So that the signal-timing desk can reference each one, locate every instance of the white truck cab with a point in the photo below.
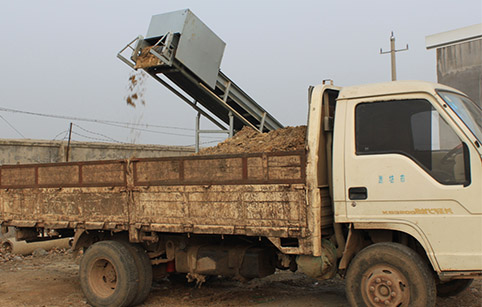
(407, 162)
(411, 161)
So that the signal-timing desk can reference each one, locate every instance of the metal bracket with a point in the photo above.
(230, 131)
(135, 51)
(261, 125)
(198, 132)
(166, 53)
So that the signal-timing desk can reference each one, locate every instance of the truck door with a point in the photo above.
(409, 168)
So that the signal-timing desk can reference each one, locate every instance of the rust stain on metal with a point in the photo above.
(55, 175)
(227, 169)
(58, 175)
(104, 173)
(219, 206)
(18, 176)
(280, 167)
(157, 171)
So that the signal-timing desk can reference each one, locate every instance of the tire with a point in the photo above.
(389, 272)
(453, 287)
(108, 274)
(144, 269)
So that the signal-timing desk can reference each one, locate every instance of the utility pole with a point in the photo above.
(68, 144)
(392, 53)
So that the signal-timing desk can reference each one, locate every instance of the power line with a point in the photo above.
(100, 121)
(92, 138)
(63, 132)
(208, 142)
(109, 123)
(96, 133)
(147, 130)
(11, 126)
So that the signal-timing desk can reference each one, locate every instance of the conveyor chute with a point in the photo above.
(188, 53)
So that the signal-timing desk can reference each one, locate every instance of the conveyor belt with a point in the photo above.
(190, 57)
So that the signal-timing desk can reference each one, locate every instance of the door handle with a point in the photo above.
(357, 193)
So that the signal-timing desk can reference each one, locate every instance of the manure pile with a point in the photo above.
(248, 140)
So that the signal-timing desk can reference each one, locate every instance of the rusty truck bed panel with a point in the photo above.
(60, 175)
(284, 167)
(64, 208)
(227, 209)
(253, 194)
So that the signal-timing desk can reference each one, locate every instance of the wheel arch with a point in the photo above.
(84, 238)
(358, 230)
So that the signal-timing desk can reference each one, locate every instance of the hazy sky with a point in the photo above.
(59, 57)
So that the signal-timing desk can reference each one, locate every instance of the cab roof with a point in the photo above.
(392, 88)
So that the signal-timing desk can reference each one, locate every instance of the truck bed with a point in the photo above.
(247, 194)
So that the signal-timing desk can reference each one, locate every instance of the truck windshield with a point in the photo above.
(467, 111)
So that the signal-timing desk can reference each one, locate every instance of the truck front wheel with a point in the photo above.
(389, 274)
(108, 274)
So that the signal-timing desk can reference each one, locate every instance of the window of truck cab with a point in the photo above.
(467, 110)
(413, 128)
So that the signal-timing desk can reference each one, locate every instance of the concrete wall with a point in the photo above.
(460, 66)
(38, 151)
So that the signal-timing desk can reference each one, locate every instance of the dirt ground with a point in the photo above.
(51, 279)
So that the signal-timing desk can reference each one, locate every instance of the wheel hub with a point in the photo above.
(385, 286)
(103, 277)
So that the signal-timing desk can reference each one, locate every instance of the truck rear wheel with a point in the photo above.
(389, 274)
(144, 269)
(108, 274)
(453, 287)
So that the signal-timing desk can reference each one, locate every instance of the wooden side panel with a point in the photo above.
(285, 167)
(58, 175)
(158, 171)
(252, 194)
(229, 169)
(288, 167)
(87, 206)
(21, 176)
(225, 209)
(103, 173)
(256, 168)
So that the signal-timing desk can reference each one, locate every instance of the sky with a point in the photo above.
(59, 58)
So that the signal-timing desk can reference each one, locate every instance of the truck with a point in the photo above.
(387, 194)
